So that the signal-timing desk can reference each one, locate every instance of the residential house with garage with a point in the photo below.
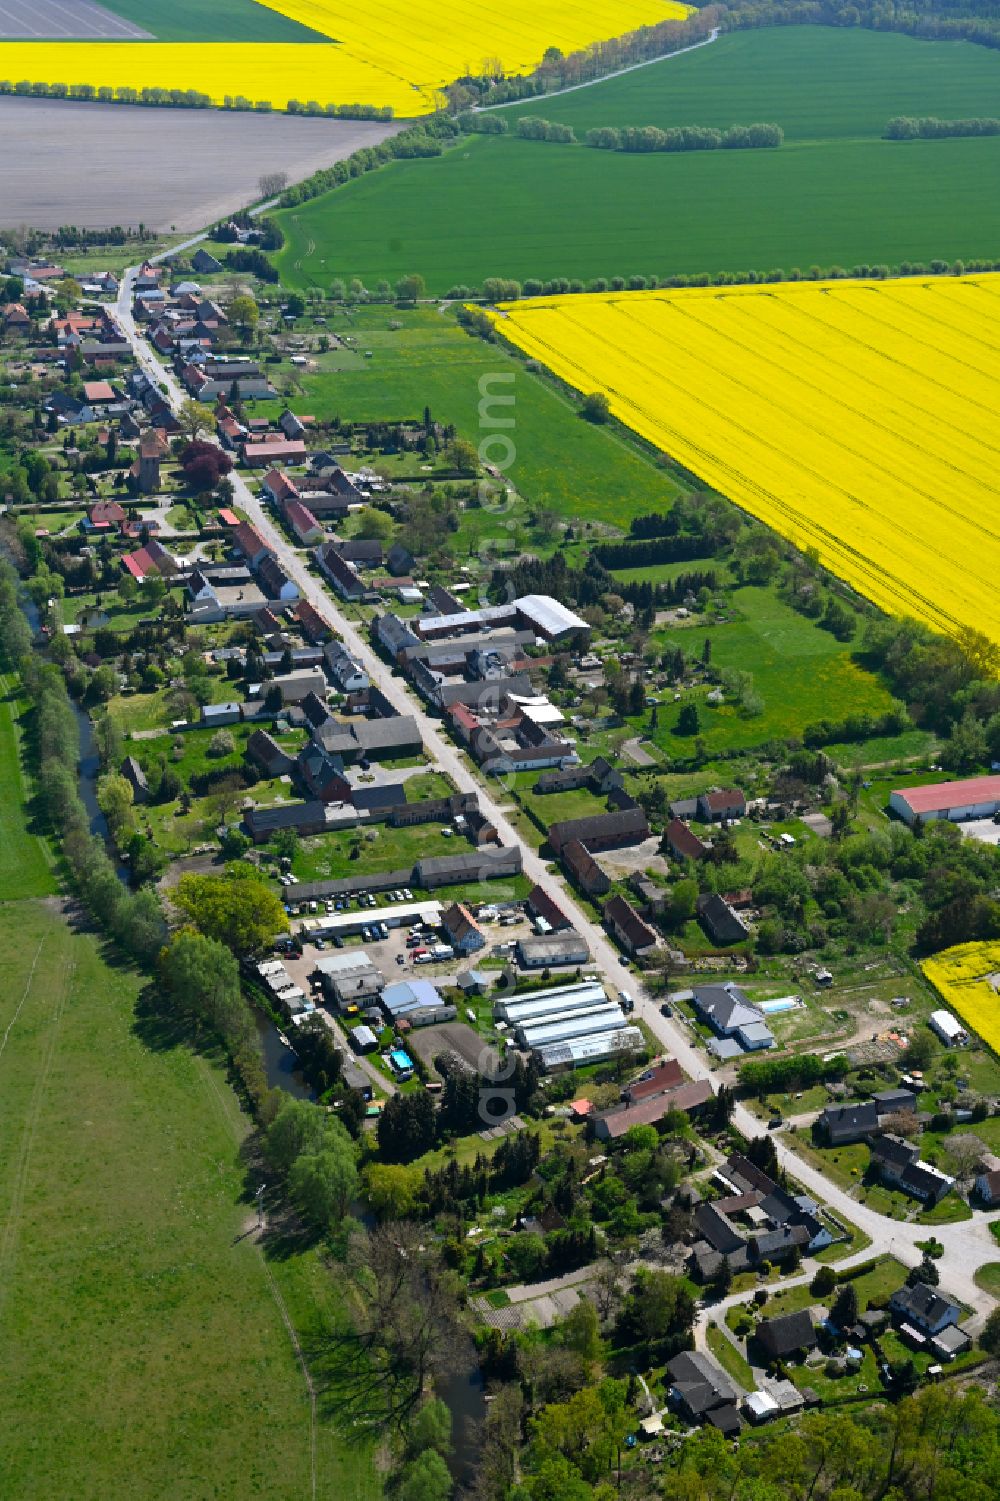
(702, 1392)
(898, 1164)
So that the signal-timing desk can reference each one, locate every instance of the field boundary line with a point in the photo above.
(590, 83)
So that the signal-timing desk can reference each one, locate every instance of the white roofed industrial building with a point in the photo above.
(554, 998)
(606, 1019)
(960, 802)
(595, 1047)
(353, 922)
(948, 1028)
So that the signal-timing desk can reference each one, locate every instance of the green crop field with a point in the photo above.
(24, 868)
(142, 1346)
(222, 21)
(833, 194)
(560, 462)
(817, 83)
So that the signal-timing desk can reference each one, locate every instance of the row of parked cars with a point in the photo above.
(345, 903)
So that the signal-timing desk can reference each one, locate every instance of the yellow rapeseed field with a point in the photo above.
(275, 72)
(963, 978)
(859, 418)
(383, 53)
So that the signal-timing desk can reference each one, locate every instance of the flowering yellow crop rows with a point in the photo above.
(383, 53)
(276, 72)
(961, 976)
(431, 45)
(861, 418)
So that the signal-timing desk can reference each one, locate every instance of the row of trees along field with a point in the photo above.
(646, 138)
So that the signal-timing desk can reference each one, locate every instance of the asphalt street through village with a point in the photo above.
(967, 1245)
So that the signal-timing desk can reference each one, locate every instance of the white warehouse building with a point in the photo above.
(608, 1019)
(545, 1002)
(948, 1028)
(973, 797)
(593, 1048)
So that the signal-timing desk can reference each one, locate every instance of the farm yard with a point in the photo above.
(863, 453)
(380, 56)
(835, 193)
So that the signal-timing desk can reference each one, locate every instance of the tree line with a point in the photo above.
(966, 20)
(124, 94)
(929, 128)
(641, 138)
(646, 138)
(558, 71)
(561, 286)
(188, 99)
(133, 918)
(421, 140)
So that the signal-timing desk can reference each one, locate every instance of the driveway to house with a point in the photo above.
(967, 1245)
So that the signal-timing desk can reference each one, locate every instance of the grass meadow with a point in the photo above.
(802, 673)
(25, 870)
(833, 194)
(142, 1347)
(561, 463)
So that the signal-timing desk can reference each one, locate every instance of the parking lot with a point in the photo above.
(392, 955)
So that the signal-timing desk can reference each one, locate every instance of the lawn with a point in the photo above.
(833, 194)
(142, 1342)
(107, 608)
(194, 759)
(329, 857)
(729, 1358)
(222, 21)
(556, 807)
(560, 462)
(24, 867)
(988, 1278)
